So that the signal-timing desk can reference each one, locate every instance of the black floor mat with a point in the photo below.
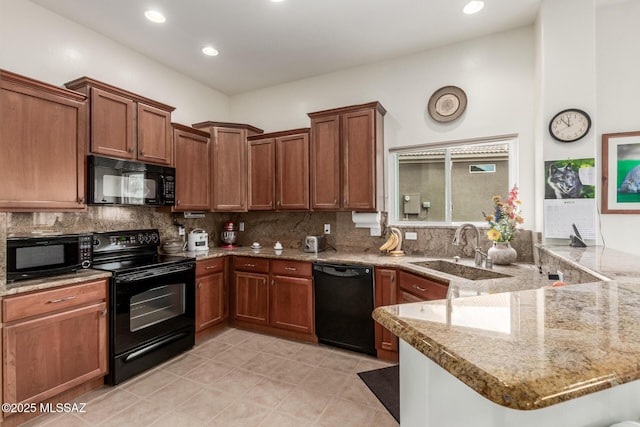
(385, 384)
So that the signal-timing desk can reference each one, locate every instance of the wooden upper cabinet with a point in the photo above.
(279, 170)
(126, 125)
(43, 133)
(326, 191)
(154, 135)
(228, 164)
(261, 174)
(292, 171)
(192, 164)
(347, 157)
(112, 121)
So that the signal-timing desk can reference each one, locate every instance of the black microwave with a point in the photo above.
(42, 256)
(129, 183)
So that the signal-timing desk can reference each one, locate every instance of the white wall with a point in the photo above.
(618, 95)
(40, 44)
(496, 72)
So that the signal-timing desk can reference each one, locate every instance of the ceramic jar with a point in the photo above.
(501, 253)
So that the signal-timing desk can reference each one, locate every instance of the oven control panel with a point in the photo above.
(124, 240)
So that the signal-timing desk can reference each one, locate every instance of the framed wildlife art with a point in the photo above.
(621, 173)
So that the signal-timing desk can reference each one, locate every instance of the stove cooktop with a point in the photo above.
(130, 250)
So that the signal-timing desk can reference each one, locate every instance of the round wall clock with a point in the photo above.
(447, 104)
(569, 125)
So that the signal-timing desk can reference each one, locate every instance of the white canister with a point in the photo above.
(198, 240)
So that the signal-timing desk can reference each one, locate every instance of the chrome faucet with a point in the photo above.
(479, 255)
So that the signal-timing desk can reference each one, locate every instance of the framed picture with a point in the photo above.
(621, 173)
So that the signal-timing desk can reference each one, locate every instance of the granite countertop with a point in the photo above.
(530, 349)
(53, 282)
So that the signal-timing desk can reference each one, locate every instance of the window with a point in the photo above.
(450, 182)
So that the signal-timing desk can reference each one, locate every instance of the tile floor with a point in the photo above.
(239, 378)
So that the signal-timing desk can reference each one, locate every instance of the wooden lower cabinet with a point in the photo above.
(413, 288)
(250, 290)
(211, 293)
(53, 340)
(386, 293)
(291, 300)
(273, 297)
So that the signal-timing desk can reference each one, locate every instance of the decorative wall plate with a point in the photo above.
(447, 104)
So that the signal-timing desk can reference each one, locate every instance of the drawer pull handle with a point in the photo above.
(54, 301)
(210, 267)
(200, 285)
(291, 268)
(249, 265)
(419, 288)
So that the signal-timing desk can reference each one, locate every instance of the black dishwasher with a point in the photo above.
(344, 302)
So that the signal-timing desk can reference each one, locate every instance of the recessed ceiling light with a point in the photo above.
(473, 6)
(155, 16)
(210, 51)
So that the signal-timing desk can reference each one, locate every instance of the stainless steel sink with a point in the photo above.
(461, 270)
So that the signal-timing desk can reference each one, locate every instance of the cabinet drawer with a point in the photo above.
(291, 268)
(421, 287)
(207, 266)
(259, 265)
(42, 302)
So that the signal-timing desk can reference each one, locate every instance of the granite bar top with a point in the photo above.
(530, 349)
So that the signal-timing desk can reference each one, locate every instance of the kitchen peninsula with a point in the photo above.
(565, 356)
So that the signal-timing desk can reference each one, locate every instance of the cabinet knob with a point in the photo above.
(142, 152)
(103, 313)
(130, 149)
(81, 200)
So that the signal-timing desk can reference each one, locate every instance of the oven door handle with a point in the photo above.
(155, 272)
(143, 351)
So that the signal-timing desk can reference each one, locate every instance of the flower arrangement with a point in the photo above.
(506, 217)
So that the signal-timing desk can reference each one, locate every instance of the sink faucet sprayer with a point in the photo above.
(479, 255)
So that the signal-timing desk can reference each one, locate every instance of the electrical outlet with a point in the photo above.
(410, 235)
(181, 230)
(241, 226)
(327, 229)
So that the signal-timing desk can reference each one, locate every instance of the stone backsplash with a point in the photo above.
(289, 228)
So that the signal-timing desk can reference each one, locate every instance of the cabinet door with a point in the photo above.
(229, 174)
(43, 137)
(192, 171)
(45, 356)
(359, 160)
(292, 177)
(386, 294)
(251, 297)
(210, 295)
(154, 135)
(261, 174)
(325, 163)
(112, 124)
(292, 303)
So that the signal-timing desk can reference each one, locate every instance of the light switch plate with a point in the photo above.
(241, 226)
(410, 235)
